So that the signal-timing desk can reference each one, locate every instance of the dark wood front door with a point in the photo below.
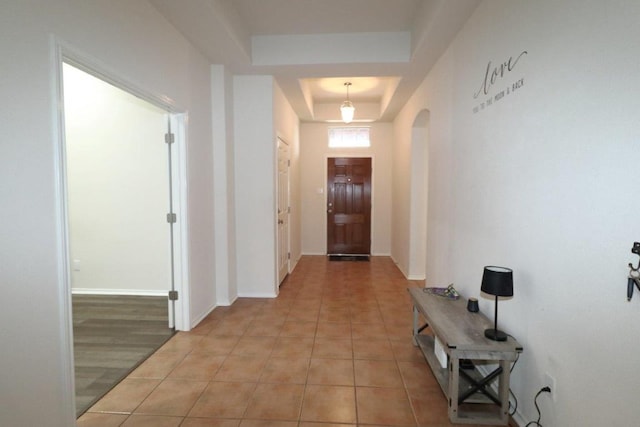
(349, 206)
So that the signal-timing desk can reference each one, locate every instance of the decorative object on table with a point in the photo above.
(634, 273)
(448, 292)
(497, 281)
(472, 305)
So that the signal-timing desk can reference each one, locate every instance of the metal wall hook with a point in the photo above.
(635, 250)
(630, 282)
(634, 273)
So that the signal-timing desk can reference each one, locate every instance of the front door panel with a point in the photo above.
(349, 206)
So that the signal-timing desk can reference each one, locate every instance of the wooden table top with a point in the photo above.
(457, 327)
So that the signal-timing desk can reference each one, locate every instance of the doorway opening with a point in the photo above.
(121, 230)
(349, 206)
(419, 197)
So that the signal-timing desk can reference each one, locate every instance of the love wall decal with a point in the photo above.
(495, 75)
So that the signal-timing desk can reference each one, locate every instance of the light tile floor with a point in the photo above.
(333, 349)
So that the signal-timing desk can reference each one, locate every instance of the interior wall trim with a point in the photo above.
(127, 292)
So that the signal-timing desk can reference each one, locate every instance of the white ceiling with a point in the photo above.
(312, 47)
(269, 17)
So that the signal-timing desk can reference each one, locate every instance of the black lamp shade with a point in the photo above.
(497, 281)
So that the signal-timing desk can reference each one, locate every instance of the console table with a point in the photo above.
(473, 361)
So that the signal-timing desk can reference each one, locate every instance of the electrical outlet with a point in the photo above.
(551, 383)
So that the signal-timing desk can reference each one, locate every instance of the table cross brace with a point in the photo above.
(480, 386)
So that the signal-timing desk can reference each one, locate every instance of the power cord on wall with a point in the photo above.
(512, 412)
(514, 406)
(515, 399)
(535, 402)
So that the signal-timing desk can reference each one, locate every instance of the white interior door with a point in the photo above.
(283, 210)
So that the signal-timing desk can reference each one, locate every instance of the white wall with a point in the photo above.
(223, 158)
(118, 189)
(401, 194)
(438, 144)
(261, 114)
(255, 185)
(314, 152)
(543, 181)
(135, 43)
(200, 173)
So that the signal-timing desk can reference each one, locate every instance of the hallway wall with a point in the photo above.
(314, 152)
(261, 114)
(533, 166)
(133, 42)
(224, 182)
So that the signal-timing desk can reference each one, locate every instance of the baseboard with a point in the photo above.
(517, 420)
(227, 303)
(257, 295)
(404, 273)
(293, 264)
(207, 312)
(129, 292)
(324, 254)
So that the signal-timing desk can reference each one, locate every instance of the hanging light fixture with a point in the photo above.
(347, 109)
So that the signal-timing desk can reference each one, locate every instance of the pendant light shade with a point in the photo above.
(347, 109)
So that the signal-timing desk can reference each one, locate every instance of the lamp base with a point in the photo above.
(494, 334)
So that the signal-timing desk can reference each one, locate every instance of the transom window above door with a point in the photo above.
(349, 137)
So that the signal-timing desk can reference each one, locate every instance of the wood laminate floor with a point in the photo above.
(112, 336)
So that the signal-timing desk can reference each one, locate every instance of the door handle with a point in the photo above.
(330, 210)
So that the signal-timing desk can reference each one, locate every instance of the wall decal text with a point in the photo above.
(492, 76)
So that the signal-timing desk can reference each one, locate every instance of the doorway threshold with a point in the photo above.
(341, 257)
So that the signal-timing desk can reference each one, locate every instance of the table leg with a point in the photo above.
(504, 390)
(415, 325)
(454, 380)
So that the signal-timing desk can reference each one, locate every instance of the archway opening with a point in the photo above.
(419, 196)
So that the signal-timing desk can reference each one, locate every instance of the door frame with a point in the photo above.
(326, 192)
(62, 52)
(279, 140)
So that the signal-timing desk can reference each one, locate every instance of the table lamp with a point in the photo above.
(497, 281)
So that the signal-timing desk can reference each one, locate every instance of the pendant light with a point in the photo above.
(347, 109)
